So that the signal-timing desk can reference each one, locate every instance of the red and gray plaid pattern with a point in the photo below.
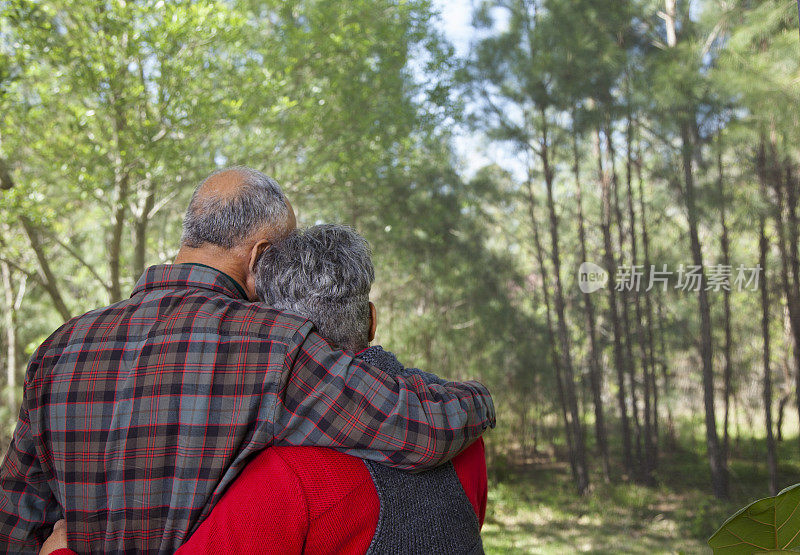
(137, 416)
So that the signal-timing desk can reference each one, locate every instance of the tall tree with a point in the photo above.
(510, 68)
(620, 361)
(727, 370)
(772, 460)
(687, 124)
(649, 461)
(595, 371)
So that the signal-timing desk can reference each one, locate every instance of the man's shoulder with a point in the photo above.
(258, 318)
(240, 315)
(230, 318)
(63, 335)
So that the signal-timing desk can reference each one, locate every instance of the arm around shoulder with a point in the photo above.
(330, 399)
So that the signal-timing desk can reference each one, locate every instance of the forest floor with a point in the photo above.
(533, 507)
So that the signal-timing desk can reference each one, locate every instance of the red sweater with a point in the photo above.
(308, 500)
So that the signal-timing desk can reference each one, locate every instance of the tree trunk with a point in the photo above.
(630, 366)
(610, 264)
(581, 470)
(6, 182)
(10, 325)
(770, 177)
(794, 265)
(648, 308)
(781, 411)
(718, 466)
(726, 302)
(595, 373)
(772, 463)
(121, 191)
(649, 463)
(665, 374)
(551, 334)
(140, 231)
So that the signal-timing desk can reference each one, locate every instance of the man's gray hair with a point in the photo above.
(324, 273)
(224, 220)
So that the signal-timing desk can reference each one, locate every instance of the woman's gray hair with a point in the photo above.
(225, 220)
(324, 273)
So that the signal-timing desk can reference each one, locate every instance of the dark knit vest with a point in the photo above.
(425, 513)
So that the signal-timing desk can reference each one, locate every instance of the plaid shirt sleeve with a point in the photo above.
(28, 507)
(330, 399)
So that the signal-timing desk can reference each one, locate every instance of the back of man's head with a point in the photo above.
(324, 273)
(231, 205)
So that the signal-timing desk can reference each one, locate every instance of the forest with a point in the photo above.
(613, 252)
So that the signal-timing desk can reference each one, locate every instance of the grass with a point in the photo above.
(533, 507)
(536, 511)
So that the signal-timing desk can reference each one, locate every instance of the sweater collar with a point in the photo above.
(190, 275)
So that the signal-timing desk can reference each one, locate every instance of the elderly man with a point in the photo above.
(136, 417)
(293, 500)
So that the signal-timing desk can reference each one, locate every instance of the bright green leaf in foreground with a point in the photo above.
(768, 524)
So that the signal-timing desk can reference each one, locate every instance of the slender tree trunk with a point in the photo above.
(581, 469)
(649, 462)
(10, 325)
(6, 182)
(719, 471)
(718, 466)
(665, 374)
(772, 463)
(551, 334)
(140, 230)
(610, 264)
(726, 302)
(771, 177)
(630, 365)
(669, 22)
(781, 412)
(595, 373)
(115, 241)
(121, 192)
(669, 15)
(648, 309)
(794, 265)
(786, 390)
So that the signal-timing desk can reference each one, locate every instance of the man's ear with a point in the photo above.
(373, 321)
(255, 253)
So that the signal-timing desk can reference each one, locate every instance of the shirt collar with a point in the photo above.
(191, 275)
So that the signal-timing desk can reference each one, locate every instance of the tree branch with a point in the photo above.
(79, 258)
(6, 182)
(48, 278)
(26, 273)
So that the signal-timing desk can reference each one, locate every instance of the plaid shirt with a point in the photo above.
(137, 416)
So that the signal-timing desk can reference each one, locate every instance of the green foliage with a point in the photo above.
(112, 112)
(771, 524)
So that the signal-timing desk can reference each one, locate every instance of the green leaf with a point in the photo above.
(771, 524)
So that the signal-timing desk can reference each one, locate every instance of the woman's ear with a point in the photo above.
(373, 321)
